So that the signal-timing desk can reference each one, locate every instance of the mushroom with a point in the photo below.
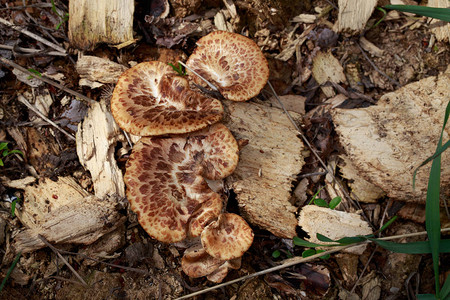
(232, 62)
(197, 263)
(150, 99)
(228, 237)
(166, 185)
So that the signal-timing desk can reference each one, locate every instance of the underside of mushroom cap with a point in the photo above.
(150, 99)
(197, 263)
(228, 237)
(232, 62)
(166, 185)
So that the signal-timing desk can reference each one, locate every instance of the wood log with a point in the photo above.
(268, 165)
(100, 21)
(388, 141)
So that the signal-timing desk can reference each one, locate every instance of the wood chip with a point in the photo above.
(440, 28)
(268, 165)
(388, 141)
(96, 138)
(96, 69)
(62, 212)
(354, 14)
(327, 68)
(103, 21)
(370, 47)
(295, 103)
(333, 224)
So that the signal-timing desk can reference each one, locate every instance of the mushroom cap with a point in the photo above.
(228, 237)
(232, 62)
(150, 99)
(166, 185)
(196, 262)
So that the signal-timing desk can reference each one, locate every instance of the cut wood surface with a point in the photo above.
(268, 165)
(62, 212)
(97, 69)
(353, 14)
(103, 21)
(96, 139)
(333, 224)
(386, 142)
(440, 28)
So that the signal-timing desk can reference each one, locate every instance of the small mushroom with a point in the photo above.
(232, 62)
(150, 99)
(228, 237)
(196, 262)
(166, 185)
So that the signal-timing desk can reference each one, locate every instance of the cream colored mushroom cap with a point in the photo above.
(232, 62)
(150, 99)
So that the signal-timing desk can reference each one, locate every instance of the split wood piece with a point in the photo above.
(103, 21)
(97, 69)
(62, 212)
(326, 67)
(268, 165)
(333, 224)
(96, 139)
(440, 28)
(354, 14)
(388, 141)
(364, 190)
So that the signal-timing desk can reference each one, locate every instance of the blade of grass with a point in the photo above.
(445, 291)
(11, 268)
(426, 297)
(432, 12)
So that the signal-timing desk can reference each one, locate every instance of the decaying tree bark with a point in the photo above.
(440, 28)
(353, 14)
(103, 21)
(267, 166)
(386, 142)
(62, 212)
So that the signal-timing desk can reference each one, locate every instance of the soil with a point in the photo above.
(407, 56)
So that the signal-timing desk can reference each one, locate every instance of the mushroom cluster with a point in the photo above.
(183, 144)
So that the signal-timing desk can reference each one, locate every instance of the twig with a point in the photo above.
(199, 76)
(46, 80)
(32, 51)
(62, 258)
(393, 81)
(296, 260)
(24, 101)
(32, 35)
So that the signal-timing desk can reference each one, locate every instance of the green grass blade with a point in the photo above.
(432, 12)
(11, 268)
(299, 242)
(323, 238)
(445, 291)
(426, 297)
(438, 152)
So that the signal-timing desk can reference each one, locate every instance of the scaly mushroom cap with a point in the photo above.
(165, 184)
(232, 62)
(228, 237)
(150, 99)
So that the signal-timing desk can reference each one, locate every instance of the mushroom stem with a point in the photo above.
(201, 77)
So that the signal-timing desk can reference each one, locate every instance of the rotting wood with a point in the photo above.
(96, 69)
(354, 14)
(62, 212)
(268, 164)
(440, 28)
(333, 224)
(388, 141)
(327, 68)
(103, 21)
(96, 139)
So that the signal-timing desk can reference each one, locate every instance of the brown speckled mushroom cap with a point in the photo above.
(232, 62)
(150, 99)
(228, 237)
(166, 185)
